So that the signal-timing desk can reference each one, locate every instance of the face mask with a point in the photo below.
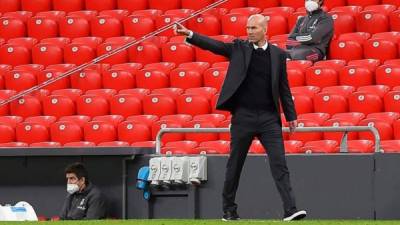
(72, 188)
(311, 6)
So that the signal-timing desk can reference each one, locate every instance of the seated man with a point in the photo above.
(310, 37)
(84, 200)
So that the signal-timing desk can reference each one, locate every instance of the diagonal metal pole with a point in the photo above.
(111, 53)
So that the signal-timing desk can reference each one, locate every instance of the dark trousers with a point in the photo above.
(304, 52)
(266, 126)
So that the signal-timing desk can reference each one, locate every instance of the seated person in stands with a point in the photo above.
(84, 200)
(309, 39)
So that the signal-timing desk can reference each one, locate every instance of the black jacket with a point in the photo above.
(315, 30)
(239, 53)
(86, 205)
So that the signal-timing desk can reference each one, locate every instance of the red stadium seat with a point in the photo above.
(345, 50)
(98, 131)
(379, 90)
(203, 136)
(118, 80)
(119, 14)
(390, 146)
(310, 91)
(27, 42)
(207, 56)
(330, 4)
(205, 24)
(144, 144)
(342, 90)
(167, 124)
(215, 147)
(177, 53)
(66, 131)
(263, 4)
(294, 17)
(12, 28)
(151, 79)
(112, 119)
(185, 78)
(81, 120)
(125, 105)
(388, 75)
(337, 136)
(70, 93)
(36, 5)
(42, 27)
(47, 54)
(277, 23)
(14, 145)
(26, 106)
(283, 10)
(100, 5)
(105, 93)
(322, 146)
(392, 101)
(78, 53)
(371, 64)
(145, 53)
(7, 133)
(131, 131)
(180, 147)
(395, 20)
(343, 22)
(201, 67)
(321, 76)
(386, 116)
(234, 24)
(129, 67)
(80, 144)
(363, 3)
(138, 26)
(73, 27)
(31, 132)
(384, 128)
(306, 136)
(136, 92)
(203, 91)
(45, 144)
(153, 13)
(293, 146)
(216, 119)
(193, 104)
(171, 92)
(396, 129)
(92, 105)
(320, 118)
(19, 80)
(132, 5)
(58, 106)
(248, 11)
(159, 105)
(292, 3)
(353, 117)
(22, 15)
(105, 27)
(296, 77)
(372, 22)
(356, 76)
(165, 20)
(14, 55)
(68, 5)
(335, 64)
(164, 6)
(5, 94)
(44, 120)
(196, 5)
(380, 49)
(214, 77)
(87, 80)
(106, 47)
(113, 144)
(303, 103)
(145, 119)
(257, 148)
(11, 120)
(382, 8)
(10, 6)
(365, 103)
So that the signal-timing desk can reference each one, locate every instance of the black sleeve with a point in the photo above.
(323, 27)
(96, 208)
(285, 94)
(64, 210)
(215, 46)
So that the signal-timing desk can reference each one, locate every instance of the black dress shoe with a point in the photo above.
(230, 216)
(297, 215)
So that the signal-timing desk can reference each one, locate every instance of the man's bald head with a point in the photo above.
(256, 28)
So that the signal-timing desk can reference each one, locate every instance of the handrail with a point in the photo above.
(343, 144)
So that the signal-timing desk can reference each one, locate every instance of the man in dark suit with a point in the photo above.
(255, 83)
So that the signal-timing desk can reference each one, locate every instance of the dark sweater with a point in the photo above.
(256, 92)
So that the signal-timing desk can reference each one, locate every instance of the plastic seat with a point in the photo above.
(151, 79)
(153, 13)
(113, 144)
(106, 47)
(234, 24)
(80, 144)
(125, 105)
(35, 6)
(193, 104)
(321, 146)
(7, 133)
(200, 137)
(388, 75)
(396, 129)
(321, 77)
(145, 53)
(167, 124)
(92, 105)
(47, 54)
(165, 20)
(365, 103)
(118, 80)
(207, 56)
(159, 105)
(277, 23)
(371, 64)
(303, 103)
(342, 90)
(100, 5)
(26, 107)
(320, 118)
(19, 80)
(343, 22)
(207, 92)
(80, 120)
(330, 103)
(65, 132)
(177, 53)
(145, 119)
(10, 6)
(78, 53)
(131, 131)
(132, 5)
(14, 55)
(384, 128)
(45, 144)
(180, 147)
(372, 22)
(144, 144)
(206, 24)
(310, 91)
(99, 131)
(381, 8)
(12, 28)
(285, 11)
(353, 117)
(105, 27)
(214, 77)
(105, 93)
(379, 90)
(87, 80)
(73, 27)
(256, 148)
(363, 3)
(42, 27)
(214, 118)
(335, 64)
(164, 6)
(185, 78)
(296, 77)
(380, 49)
(136, 92)
(171, 92)
(31, 132)
(306, 136)
(215, 147)
(14, 145)
(70, 93)
(112, 119)
(201, 67)
(337, 136)
(345, 50)
(58, 106)
(356, 76)
(5, 94)
(11, 121)
(138, 26)
(392, 101)
(68, 5)
(394, 20)
(390, 146)
(293, 146)
(129, 67)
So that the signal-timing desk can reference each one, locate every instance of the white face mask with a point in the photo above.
(311, 6)
(72, 188)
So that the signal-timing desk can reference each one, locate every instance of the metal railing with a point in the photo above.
(343, 142)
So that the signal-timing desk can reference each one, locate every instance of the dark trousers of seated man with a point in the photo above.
(266, 126)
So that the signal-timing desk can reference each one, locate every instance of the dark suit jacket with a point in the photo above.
(239, 53)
